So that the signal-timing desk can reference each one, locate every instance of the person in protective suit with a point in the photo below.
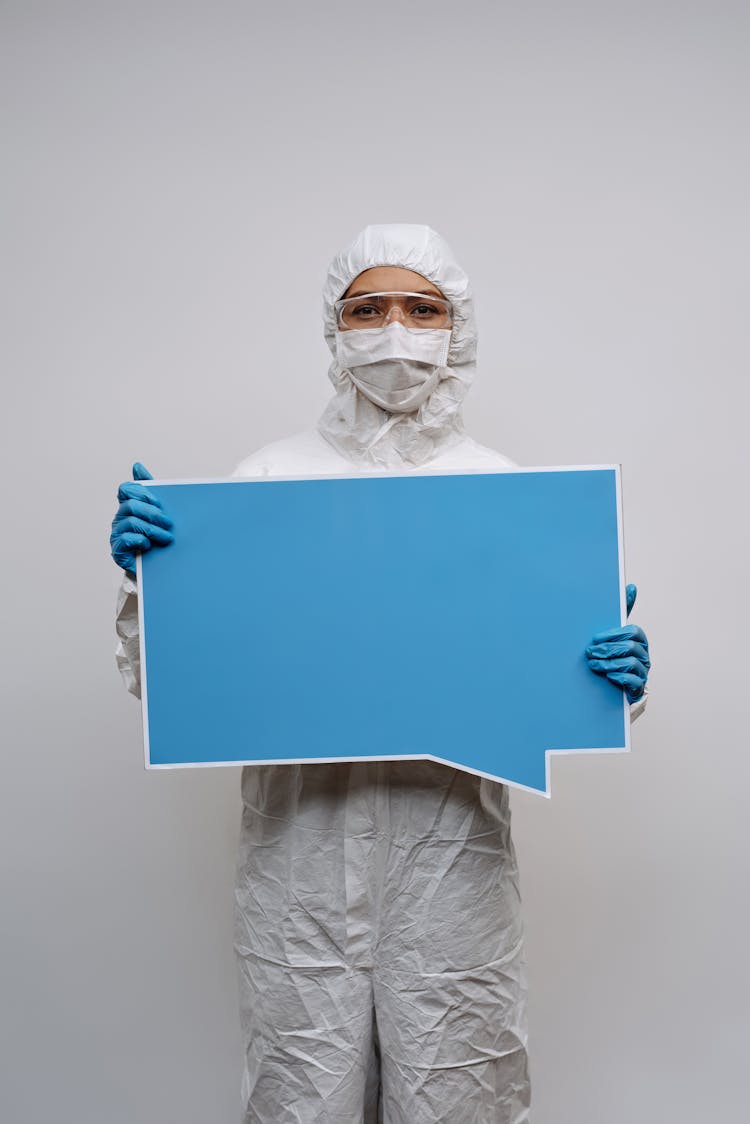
(378, 925)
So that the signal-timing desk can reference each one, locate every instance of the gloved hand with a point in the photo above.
(139, 522)
(622, 654)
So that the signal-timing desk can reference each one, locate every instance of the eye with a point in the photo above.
(365, 311)
(423, 311)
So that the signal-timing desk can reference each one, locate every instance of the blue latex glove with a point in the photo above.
(622, 654)
(139, 522)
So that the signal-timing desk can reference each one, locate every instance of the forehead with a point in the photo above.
(390, 278)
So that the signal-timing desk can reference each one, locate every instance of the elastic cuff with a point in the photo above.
(637, 708)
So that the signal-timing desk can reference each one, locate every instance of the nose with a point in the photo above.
(394, 310)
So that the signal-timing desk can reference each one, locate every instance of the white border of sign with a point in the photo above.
(616, 468)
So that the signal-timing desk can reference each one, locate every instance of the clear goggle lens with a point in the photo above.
(375, 310)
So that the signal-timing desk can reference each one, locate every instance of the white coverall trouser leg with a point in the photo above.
(378, 928)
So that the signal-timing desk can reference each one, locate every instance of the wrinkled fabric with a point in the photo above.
(128, 650)
(360, 429)
(378, 918)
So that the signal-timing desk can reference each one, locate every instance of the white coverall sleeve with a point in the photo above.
(128, 653)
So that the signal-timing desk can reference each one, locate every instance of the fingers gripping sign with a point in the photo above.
(622, 654)
(140, 521)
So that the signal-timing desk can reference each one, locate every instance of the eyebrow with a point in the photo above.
(418, 292)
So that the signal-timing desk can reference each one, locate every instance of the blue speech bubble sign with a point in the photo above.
(423, 616)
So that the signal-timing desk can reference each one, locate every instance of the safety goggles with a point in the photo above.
(375, 310)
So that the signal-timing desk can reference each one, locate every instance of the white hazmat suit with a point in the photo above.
(378, 928)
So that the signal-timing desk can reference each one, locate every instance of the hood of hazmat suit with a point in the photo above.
(377, 922)
(361, 430)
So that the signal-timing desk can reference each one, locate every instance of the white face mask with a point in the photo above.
(396, 367)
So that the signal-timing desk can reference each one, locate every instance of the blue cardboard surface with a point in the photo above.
(440, 616)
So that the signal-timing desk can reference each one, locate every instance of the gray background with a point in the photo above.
(176, 177)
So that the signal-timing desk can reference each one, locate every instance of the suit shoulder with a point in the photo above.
(301, 453)
(469, 454)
